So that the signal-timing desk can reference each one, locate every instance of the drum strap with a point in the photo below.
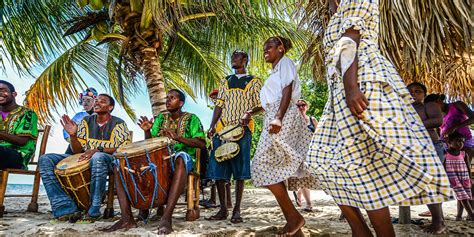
(151, 168)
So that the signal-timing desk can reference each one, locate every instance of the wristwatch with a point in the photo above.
(100, 148)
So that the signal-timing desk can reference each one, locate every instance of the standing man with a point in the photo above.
(237, 100)
(97, 137)
(18, 130)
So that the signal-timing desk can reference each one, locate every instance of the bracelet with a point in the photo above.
(249, 113)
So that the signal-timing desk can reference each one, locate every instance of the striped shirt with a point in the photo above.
(235, 97)
(112, 134)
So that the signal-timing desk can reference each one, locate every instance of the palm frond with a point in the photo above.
(428, 41)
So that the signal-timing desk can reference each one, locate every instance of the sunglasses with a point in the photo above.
(300, 105)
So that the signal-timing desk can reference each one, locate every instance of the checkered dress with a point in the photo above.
(281, 156)
(386, 158)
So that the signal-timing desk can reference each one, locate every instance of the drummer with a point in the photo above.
(186, 130)
(97, 137)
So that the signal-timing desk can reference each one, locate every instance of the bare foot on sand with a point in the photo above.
(121, 224)
(458, 218)
(220, 215)
(293, 226)
(165, 227)
(435, 228)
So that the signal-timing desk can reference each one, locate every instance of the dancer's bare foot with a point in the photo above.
(220, 215)
(165, 227)
(121, 224)
(293, 225)
(458, 218)
(435, 228)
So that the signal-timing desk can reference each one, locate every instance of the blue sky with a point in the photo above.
(141, 104)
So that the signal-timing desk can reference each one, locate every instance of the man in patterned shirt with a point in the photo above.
(187, 132)
(97, 137)
(237, 100)
(18, 130)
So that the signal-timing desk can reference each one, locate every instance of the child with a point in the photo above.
(456, 164)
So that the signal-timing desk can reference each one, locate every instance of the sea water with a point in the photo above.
(23, 189)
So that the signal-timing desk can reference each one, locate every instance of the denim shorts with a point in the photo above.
(439, 147)
(237, 167)
(188, 161)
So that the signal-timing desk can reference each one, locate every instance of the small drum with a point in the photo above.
(75, 178)
(145, 172)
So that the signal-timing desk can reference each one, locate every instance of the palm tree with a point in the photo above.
(168, 43)
(428, 41)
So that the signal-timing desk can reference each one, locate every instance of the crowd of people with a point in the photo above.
(378, 143)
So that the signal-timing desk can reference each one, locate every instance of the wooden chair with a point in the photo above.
(33, 206)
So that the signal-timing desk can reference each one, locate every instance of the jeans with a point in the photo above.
(61, 203)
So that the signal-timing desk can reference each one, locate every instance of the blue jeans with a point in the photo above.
(61, 203)
(237, 167)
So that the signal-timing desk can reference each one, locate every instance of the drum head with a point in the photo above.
(70, 164)
(138, 148)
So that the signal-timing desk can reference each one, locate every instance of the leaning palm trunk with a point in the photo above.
(154, 80)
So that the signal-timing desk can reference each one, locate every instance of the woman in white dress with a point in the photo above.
(285, 136)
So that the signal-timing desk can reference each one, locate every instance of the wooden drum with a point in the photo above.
(75, 178)
(145, 172)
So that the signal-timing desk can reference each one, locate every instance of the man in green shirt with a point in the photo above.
(18, 130)
(186, 130)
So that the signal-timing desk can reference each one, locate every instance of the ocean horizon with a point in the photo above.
(23, 189)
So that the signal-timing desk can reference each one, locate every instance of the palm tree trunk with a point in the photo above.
(154, 80)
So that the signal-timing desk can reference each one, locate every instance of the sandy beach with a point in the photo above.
(261, 214)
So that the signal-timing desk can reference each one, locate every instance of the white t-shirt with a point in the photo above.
(280, 77)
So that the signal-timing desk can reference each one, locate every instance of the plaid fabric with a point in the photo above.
(458, 175)
(386, 158)
(280, 156)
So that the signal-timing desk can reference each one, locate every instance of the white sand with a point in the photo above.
(262, 217)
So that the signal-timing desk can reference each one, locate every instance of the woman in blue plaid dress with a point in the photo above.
(370, 149)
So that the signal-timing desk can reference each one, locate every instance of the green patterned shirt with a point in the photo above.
(187, 126)
(21, 122)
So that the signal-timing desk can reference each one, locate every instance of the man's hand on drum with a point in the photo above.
(69, 125)
(145, 123)
(169, 133)
(87, 155)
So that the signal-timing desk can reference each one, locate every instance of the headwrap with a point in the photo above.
(91, 92)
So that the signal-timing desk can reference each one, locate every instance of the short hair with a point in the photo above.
(111, 100)
(242, 53)
(286, 43)
(423, 87)
(455, 135)
(8, 84)
(181, 95)
(432, 98)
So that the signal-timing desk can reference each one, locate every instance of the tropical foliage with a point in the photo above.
(428, 41)
(168, 43)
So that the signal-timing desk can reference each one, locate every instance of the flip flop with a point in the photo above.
(207, 204)
(88, 219)
(308, 209)
(425, 214)
(217, 218)
(73, 217)
(236, 220)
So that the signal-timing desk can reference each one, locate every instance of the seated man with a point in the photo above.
(18, 130)
(97, 136)
(188, 138)
(87, 100)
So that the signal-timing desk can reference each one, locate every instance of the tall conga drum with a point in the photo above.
(145, 171)
(75, 178)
